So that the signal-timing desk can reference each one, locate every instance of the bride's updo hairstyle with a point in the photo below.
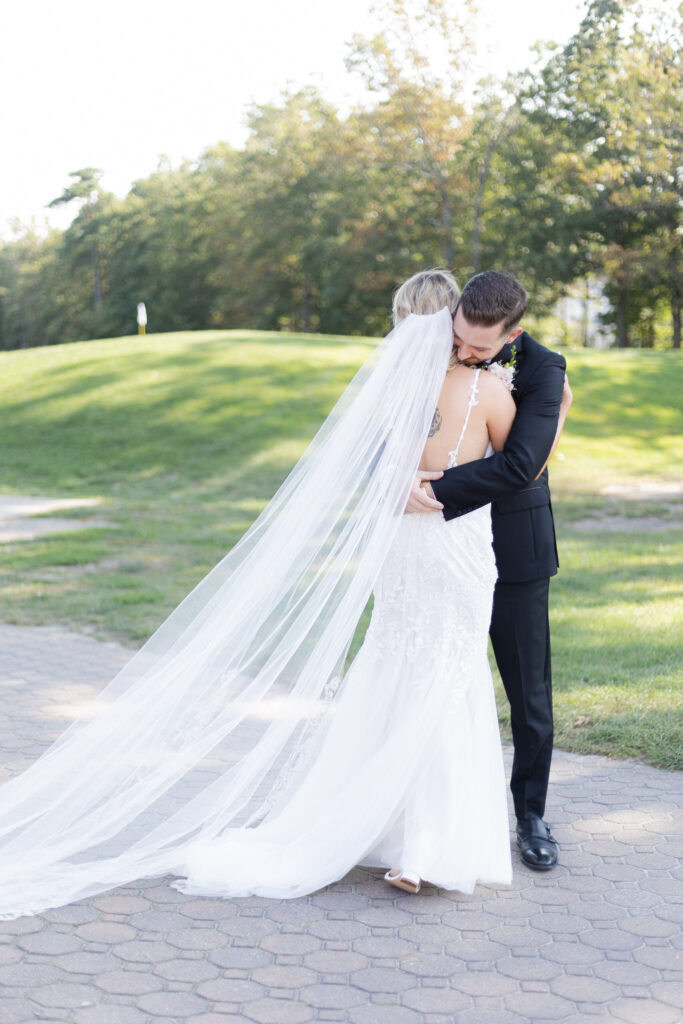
(426, 292)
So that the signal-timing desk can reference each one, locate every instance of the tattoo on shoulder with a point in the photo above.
(436, 423)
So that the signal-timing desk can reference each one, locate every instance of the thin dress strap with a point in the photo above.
(474, 391)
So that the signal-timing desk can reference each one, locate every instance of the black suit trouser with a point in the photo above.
(520, 635)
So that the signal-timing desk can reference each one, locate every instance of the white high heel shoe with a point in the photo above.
(410, 881)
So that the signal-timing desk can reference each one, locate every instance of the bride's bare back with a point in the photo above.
(490, 419)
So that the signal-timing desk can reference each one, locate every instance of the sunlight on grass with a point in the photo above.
(183, 438)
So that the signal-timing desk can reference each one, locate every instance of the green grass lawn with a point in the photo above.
(183, 437)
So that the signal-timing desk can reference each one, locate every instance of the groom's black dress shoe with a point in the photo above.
(536, 844)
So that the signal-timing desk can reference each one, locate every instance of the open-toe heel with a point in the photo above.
(410, 881)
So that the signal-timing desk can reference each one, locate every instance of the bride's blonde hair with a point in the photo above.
(427, 292)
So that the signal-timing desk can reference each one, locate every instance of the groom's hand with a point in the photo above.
(419, 500)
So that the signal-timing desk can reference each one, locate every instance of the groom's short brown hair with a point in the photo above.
(491, 297)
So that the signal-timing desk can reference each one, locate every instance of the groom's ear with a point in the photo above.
(514, 334)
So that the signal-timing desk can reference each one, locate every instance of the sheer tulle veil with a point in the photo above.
(211, 724)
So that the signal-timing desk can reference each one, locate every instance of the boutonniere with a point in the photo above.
(505, 372)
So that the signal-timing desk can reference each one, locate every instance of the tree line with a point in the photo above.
(565, 172)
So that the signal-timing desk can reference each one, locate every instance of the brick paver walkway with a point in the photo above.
(597, 939)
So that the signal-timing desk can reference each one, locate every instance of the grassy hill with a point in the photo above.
(183, 437)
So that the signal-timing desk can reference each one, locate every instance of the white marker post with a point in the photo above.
(142, 317)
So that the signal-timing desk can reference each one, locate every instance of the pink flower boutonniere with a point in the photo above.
(505, 372)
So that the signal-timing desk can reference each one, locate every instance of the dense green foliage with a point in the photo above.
(182, 438)
(565, 173)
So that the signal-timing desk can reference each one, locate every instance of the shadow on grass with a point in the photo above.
(625, 397)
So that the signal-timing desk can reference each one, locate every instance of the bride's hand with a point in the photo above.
(419, 500)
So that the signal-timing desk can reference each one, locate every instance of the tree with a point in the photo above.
(608, 106)
(82, 240)
(421, 123)
(30, 286)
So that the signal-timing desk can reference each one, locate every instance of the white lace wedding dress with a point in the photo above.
(409, 772)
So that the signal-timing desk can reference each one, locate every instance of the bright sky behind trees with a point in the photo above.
(118, 85)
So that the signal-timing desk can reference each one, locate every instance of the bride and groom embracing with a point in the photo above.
(242, 748)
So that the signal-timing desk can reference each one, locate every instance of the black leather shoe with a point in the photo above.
(536, 844)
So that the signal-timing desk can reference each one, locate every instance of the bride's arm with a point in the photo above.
(567, 399)
(499, 409)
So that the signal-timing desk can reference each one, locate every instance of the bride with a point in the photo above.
(236, 749)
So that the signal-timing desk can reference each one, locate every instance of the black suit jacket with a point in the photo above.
(523, 528)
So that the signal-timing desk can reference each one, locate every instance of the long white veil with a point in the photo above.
(210, 724)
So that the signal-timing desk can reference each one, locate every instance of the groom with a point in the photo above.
(515, 482)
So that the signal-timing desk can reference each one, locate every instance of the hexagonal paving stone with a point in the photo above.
(64, 995)
(278, 976)
(32, 976)
(22, 925)
(374, 1014)
(517, 935)
(330, 996)
(383, 917)
(328, 961)
(172, 1004)
(611, 939)
(294, 912)
(209, 910)
(435, 1000)
(569, 953)
(381, 979)
(466, 920)
(333, 900)
(436, 965)
(253, 928)
(473, 950)
(528, 968)
(106, 931)
(484, 983)
(539, 1005)
(75, 913)
(239, 957)
(584, 990)
(278, 1011)
(48, 942)
(290, 943)
(86, 962)
(129, 983)
(109, 1015)
(216, 1018)
(663, 958)
(560, 924)
(338, 930)
(644, 1011)
(196, 938)
(231, 990)
(482, 1015)
(144, 952)
(431, 934)
(16, 1010)
(163, 921)
(187, 970)
(120, 904)
(625, 972)
(9, 955)
(378, 946)
(670, 992)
